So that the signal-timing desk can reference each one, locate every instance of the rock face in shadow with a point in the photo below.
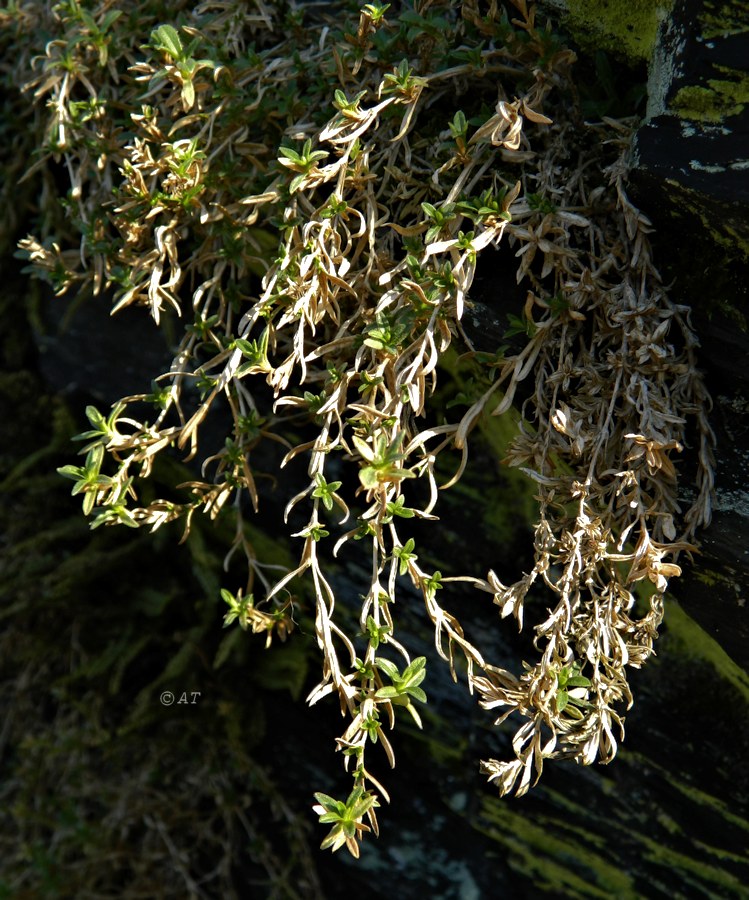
(692, 155)
(691, 159)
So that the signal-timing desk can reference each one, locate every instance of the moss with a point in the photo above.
(716, 101)
(627, 28)
(437, 741)
(732, 236)
(706, 252)
(704, 874)
(697, 644)
(723, 305)
(502, 496)
(707, 801)
(723, 19)
(695, 874)
(567, 861)
(544, 848)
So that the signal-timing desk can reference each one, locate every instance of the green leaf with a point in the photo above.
(390, 669)
(110, 18)
(519, 326)
(74, 472)
(88, 21)
(386, 693)
(398, 508)
(376, 633)
(418, 694)
(289, 153)
(325, 490)
(459, 126)
(166, 38)
(376, 11)
(415, 672)
(404, 554)
(433, 584)
(330, 804)
(364, 449)
(411, 709)
(369, 477)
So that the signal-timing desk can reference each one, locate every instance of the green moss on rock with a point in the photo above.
(627, 28)
(722, 19)
(729, 234)
(715, 101)
(544, 847)
(696, 643)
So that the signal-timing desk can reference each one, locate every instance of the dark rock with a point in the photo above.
(692, 154)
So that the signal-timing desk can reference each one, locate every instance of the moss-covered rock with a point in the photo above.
(716, 100)
(627, 28)
(693, 153)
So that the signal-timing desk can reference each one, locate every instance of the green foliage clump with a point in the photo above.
(310, 192)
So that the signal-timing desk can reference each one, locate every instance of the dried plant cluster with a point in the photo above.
(311, 192)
